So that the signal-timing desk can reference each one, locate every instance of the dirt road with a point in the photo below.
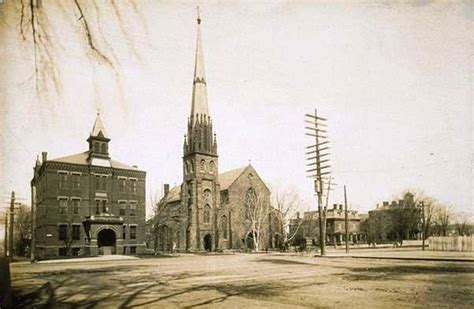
(246, 280)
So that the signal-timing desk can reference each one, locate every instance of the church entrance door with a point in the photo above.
(208, 242)
(106, 241)
(250, 241)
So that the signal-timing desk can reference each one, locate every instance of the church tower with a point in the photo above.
(200, 192)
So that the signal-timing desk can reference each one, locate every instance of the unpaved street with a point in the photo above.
(246, 280)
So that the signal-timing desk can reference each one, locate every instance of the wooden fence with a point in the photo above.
(451, 243)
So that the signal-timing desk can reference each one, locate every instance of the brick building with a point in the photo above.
(87, 203)
(212, 211)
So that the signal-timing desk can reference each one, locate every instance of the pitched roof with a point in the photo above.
(174, 194)
(81, 158)
(98, 127)
(225, 180)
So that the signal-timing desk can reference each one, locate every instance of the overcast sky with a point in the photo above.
(394, 80)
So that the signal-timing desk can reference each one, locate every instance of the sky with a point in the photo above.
(394, 81)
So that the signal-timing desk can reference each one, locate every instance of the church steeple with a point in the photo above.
(200, 136)
(199, 103)
(98, 140)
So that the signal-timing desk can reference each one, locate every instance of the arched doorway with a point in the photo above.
(277, 241)
(250, 240)
(106, 241)
(208, 242)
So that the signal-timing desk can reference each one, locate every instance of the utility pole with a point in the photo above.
(317, 152)
(346, 221)
(423, 228)
(5, 240)
(11, 224)
(33, 224)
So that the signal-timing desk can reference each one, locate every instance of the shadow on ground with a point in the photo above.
(398, 271)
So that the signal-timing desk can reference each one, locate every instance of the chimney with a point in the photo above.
(334, 206)
(341, 207)
(166, 188)
(385, 203)
(44, 156)
(298, 215)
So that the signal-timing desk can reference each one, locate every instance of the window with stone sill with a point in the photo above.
(133, 209)
(76, 232)
(62, 180)
(62, 206)
(122, 185)
(133, 186)
(122, 206)
(133, 232)
(62, 235)
(75, 181)
(75, 206)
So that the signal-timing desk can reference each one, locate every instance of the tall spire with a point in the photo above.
(98, 126)
(199, 103)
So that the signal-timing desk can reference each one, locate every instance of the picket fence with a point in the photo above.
(451, 243)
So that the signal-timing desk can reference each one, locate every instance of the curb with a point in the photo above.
(397, 258)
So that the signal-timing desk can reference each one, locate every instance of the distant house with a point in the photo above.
(394, 221)
(87, 203)
(306, 229)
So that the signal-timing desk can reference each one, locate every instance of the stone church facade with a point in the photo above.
(209, 211)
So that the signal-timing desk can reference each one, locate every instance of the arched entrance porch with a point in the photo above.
(106, 241)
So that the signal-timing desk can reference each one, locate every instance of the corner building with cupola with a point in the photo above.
(88, 204)
(208, 211)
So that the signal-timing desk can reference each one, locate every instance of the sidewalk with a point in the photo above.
(404, 254)
(92, 259)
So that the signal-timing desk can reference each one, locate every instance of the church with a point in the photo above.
(212, 211)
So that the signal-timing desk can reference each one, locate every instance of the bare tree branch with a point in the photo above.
(90, 40)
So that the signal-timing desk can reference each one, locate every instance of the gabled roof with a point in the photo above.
(226, 179)
(81, 158)
(174, 194)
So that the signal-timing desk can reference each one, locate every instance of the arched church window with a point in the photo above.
(186, 167)
(102, 148)
(212, 167)
(207, 214)
(202, 165)
(224, 227)
(250, 202)
(206, 194)
(96, 147)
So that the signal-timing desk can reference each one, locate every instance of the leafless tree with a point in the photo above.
(41, 34)
(443, 218)
(286, 202)
(257, 208)
(23, 230)
(463, 224)
(428, 208)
